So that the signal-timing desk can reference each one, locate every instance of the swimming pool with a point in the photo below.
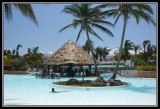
(28, 90)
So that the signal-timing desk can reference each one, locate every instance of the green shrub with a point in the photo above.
(128, 68)
(139, 68)
(138, 62)
(22, 68)
(8, 67)
(146, 68)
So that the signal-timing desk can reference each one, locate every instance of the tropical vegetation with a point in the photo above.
(14, 61)
(87, 18)
(126, 10)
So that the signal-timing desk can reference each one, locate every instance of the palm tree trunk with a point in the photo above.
(96, 70)
(135, 54)
(145, 55)
(100, 57)
(120, 51)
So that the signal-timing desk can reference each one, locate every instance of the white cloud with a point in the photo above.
(112, 51)
(50, 52)
(131, 51)
(10, 49)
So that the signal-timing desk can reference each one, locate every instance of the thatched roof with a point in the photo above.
(70, 53)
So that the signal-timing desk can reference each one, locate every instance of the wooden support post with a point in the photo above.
(48, 70)
(89, 69)
(70, 69)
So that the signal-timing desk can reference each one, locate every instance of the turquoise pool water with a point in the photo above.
(28, 90)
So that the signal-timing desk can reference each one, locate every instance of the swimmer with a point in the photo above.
(57, 91)
(53, 90)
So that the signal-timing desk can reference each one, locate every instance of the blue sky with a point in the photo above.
(21, 30)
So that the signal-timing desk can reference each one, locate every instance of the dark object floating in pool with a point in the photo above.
(87, 89)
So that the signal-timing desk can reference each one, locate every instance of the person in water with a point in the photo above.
(57, 91)
(53, 90)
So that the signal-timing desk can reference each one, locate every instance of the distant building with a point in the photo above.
(106, 67)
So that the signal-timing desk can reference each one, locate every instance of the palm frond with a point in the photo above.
(26, 10)
(135, 14)
(8, 11)
(146, 17)
(116, 12)
(79, 34)
(76, 23)
(108, 13)
(94, 33)
(103, 29)
(65, 27)
(72, 9)
(117, 18)
(145, 7)
(106, 5)
(103, 22)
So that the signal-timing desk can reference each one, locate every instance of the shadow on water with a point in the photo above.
(143, 89)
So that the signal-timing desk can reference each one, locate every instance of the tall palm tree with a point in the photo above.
(87, 17)
(18, 46)
(33, 57)
(127, 10)
(7, 52)
(29, 51)
(86, 46)
(150, 51)
(99, 52)
(136, 48)
(145, 43)
(25, 9)
(127, 46)
(105, 52)
(13, 53)
(154, 52)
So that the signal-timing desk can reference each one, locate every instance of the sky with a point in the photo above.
(21, 30)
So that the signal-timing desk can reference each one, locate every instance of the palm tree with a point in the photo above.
(127, 10)
(35, 54)
(99, 51)
(86, 46)
(136, 48)
(33, 57)
(87, 17)
(150, 51)
(125, 52)
(13, 53)
(7, 52)
(17, 53)
(105, 52)
(29, 51)
(145, 43)
(25, 9)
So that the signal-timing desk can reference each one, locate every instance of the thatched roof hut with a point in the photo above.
(70, 53)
